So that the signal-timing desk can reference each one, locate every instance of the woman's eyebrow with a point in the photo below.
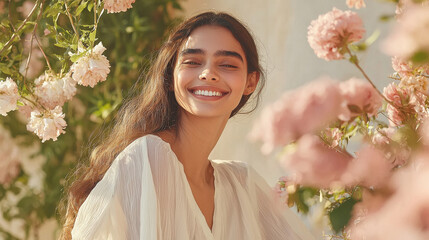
(189, 51)
(227, 53)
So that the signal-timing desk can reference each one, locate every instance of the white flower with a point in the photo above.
(47, 125)
(91, 68)
(8, 96)
(9, 158)
(115, 6)
(52, 92)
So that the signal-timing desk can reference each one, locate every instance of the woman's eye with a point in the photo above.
(228, 66)
(191, 63)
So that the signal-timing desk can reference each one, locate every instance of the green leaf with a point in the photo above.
(92, 36)
(420, 57)
(81, 7)
(340, 216)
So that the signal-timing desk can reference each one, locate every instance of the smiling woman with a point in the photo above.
(151, 178)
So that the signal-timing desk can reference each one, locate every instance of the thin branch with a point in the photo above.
(71, 20)
(15, 34)
(31, 41)
(43, 52)
(10, 15)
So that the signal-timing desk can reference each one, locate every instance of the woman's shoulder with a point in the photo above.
(143, 143)
(238, 169)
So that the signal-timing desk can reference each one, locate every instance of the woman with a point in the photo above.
(152, 179)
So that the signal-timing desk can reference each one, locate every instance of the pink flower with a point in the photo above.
(383, 136)
(304, 110)
(360, 97)
(401, 67)
(9, 96)
(91, 68)
(424, 131)
(115, 6)
(405, 215)
(356, 3)
(47, 125)
(370, 204)
(333, 135)
(281, 188)
(415, 83)
(370, 168)
(315, 164)
(410, 34)
(331, 32)
(52, 91)
(400, 98)
(9, 160)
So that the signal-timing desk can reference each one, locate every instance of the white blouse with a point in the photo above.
(145, 195)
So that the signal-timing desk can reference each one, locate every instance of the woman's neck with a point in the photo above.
(192, 142)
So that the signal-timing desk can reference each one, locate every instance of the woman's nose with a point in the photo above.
(209, 74)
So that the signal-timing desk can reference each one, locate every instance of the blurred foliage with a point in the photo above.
(131, 39)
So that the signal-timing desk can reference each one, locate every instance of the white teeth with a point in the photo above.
(207, 93)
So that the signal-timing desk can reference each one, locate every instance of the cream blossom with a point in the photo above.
(9, 96)
(298, 112)
(356, 4)
(334, 30)
(333, 136)
(359, 97)
(52, 91)
(92, 67)
(47, 125)
(9, 158)
(115, 6)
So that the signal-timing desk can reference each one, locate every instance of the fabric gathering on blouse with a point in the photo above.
(145, 195)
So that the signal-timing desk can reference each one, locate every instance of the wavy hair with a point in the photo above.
(153, 108)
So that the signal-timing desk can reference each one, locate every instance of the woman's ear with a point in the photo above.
(252, 82)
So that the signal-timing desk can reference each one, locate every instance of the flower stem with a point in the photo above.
(356, 63)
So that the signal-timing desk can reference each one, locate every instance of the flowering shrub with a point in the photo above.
(377, 191)
(65, 67)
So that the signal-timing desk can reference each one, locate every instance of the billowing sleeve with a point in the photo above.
(123, 205)
(276, 219)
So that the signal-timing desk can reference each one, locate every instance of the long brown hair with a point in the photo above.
(154, 108)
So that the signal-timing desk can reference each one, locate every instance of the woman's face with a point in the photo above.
(210, 75)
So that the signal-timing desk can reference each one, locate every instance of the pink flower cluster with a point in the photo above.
(47, 125)
(333, 31)
(359, 97)
(115, 6)
(9, 96)
(312, 107)
(356, 4)
(403, 215)
(296, 113)
(314, 164)
(52, 91)
(406, 103)
(410, 33)
(91, 68)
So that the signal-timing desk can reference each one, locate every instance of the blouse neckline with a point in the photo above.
(197, 211)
